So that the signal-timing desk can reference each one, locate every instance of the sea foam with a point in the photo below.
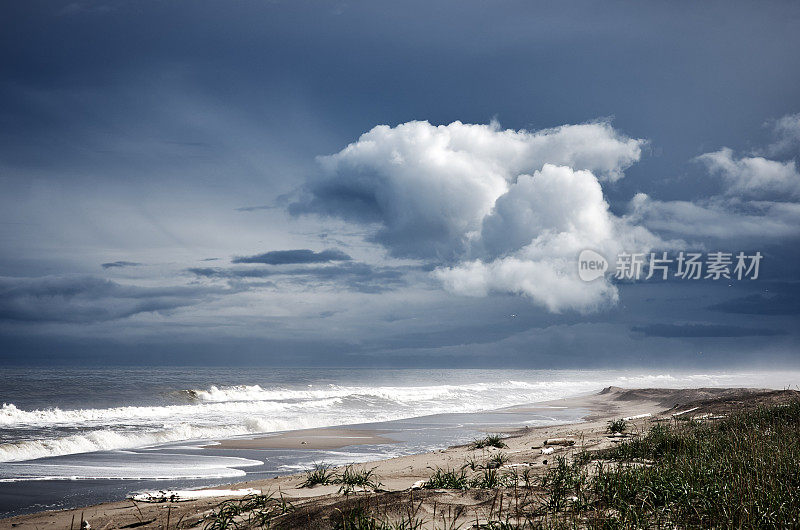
(219, 411)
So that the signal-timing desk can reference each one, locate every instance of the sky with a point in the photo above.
(403, 184)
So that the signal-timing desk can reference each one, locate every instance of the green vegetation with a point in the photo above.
(352, 478)
(617, 426)
(565, 483)
(458, 480)
(349, 479)
(491, 478)
(447, 479)
(358, 519)
(253, 511)
(527, 477)
(742, 471)
(472, 463)
(497, 460)
(492, 440)
(488, 477)
(320, 474)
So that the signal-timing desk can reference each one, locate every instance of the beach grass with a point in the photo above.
(743, 470)
(447, 479)
(497, 460)
(617, 426)
(319, 475)
(358, 519)
(472, 463)
(739, 471)
(492, 478)
(253, 511)
(491, 440)
(349, 479)
(353, 478)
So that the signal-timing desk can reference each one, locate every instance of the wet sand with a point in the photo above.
(321, 438)
(397, 475)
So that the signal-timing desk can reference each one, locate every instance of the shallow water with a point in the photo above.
(70, 436)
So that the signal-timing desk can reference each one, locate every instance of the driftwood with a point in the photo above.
(559, 441)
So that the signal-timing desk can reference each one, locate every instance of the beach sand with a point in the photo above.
(397, 475)
(324, 438)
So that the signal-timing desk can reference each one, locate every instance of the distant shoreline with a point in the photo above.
(399, 474)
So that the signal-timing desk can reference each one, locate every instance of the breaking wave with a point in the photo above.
(105, 440)
(128, 465)
(217, 411)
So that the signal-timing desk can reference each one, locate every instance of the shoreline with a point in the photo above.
(399, 474)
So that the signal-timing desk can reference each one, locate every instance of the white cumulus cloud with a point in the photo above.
(759, 199)
(754, 177)
(718, 217)
(499, 210)
(428, 188)
(534, 234)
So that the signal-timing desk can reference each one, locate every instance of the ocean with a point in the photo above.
(73, 436)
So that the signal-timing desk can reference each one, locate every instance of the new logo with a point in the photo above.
(591, 265)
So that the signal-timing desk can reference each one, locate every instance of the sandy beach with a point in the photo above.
(329, 438)
(526, 449)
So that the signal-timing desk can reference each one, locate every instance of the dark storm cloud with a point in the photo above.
(119, 264)
(74, 74)
(353, 276)
(761, 304)
(288, 257)
(81, 299)
(703, 330)
(353, 199)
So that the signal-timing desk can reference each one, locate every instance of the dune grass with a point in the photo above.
(617, 426)
(352, 478)
(491, 440)
(497, 460)
(358, 519)
(349, 479)
(742, 471)
(320, 474)
(253, 511)
(492, 478)
(471, 463)
(447, 479)
(487, 478)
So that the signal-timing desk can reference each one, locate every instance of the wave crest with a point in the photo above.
(223, 411)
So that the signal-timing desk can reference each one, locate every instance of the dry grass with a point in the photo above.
(742, 471)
